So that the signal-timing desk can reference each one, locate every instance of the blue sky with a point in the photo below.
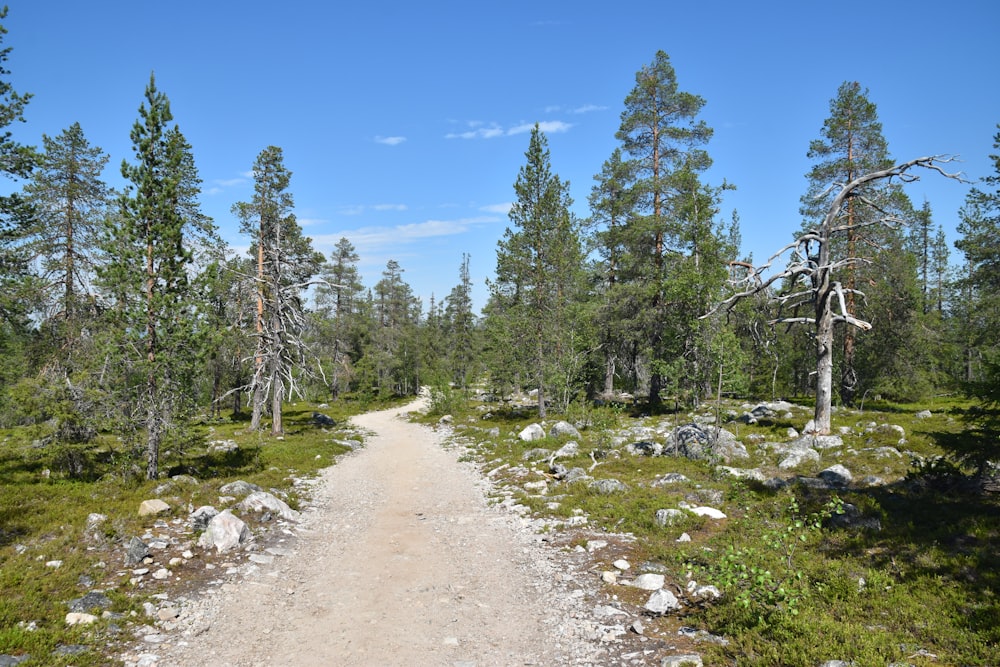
(405, 124)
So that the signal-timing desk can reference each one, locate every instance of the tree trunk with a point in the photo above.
(824, 360)
(153, 431)
(609, 375)
(278, 390)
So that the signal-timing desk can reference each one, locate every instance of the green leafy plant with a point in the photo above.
(446, 401)
(763, 578)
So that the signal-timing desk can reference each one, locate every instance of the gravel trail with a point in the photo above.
(399, 560)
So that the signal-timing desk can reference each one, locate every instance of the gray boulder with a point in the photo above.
(238, 488)
(90, 601)
(817, 442)
(224, 532)
(568, 450)
(644, 448)
(136, 551)
(608, 486)
(532, 432)
(796, 457)
(669, 478)
(668, 517)
(662, 602)
(739, 473)
(222, 446)
(837, 475)
(260, 502)
(201, 516)
(690, 441)
(320, 419)
(563, 428)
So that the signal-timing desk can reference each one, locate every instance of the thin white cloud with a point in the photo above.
(370, 239)
(220, 184)
(390, 207)
(389, 141)
(229, 182)
(587, 108)
(497, 208)
(351, 210)
(480, 130)
(546, 126)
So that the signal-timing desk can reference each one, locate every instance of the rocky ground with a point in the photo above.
(399, 558)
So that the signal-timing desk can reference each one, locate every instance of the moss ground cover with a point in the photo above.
(48, 558)
(899, 567)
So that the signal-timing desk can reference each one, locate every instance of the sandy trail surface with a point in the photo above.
(400, 560)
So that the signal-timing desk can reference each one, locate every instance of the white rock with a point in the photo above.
(662, 602)
(667, 517)
(262, 501)
(609, 577)
(78, 618)
(710, 512)
(224, 532)
(621, 564)
(564, 428)
(649, 581)
(162, 573)
(686, 660)
(154, 506)
(55, 564)
(532, 432)
(684, 538)
(568, 450)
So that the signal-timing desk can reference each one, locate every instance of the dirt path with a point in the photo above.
(400, 561)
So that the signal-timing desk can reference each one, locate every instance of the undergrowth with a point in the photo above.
(46, 557)
(902, 567)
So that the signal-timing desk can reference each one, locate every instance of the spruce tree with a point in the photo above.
(980, 244)
(146, 275)
(460, 329)
(338, 302)
(538, 283)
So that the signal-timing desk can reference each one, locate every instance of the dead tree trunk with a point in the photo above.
(808, 280)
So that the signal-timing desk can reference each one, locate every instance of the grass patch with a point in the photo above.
(909, 574)
(44, 509)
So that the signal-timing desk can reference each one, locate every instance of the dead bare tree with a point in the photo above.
(808, 279)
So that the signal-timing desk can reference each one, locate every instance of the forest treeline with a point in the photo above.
(122, 312)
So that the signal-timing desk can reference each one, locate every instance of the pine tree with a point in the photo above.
(673, 256)
(538, 280)
(70, 202)
(852, 144)
(16, 162)
(394, 352)
(460, 328)
(147, 272)
(612, 203)
(285, 266)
